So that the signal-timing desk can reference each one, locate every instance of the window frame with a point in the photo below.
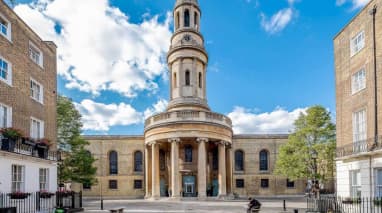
(44, 179)
(355, 188)
(33, 48)
(355, 46)
(187, 78)
(242, 161)
(8, 117)
(377, 186)
(113, 183)
(41, 133)
(188, 158)
(138, 163)
(113, 163)
(40, 98)
(187, 18)
(357, 83)
(8, 35)
(262, 183)
(18, 184)
(261, 161)
(359, 126)
(138, 186)
(290, 184)
(240, 183)
(8, 80)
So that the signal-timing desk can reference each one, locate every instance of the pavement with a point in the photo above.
(269, 205)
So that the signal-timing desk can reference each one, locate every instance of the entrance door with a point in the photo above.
(189, 186)
(163, 188)
(215, 187)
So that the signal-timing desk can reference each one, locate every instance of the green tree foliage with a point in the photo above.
(77, 163)
(314, 133)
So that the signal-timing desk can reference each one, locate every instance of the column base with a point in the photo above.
(175, 198)
(202, 198)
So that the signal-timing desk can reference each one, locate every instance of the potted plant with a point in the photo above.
(28, 141)
(64, 193)
(10, 136)
(45, 194)
(18, 195)
(42, 146)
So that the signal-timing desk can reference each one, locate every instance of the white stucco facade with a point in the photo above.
(31, 176)
(369, 179)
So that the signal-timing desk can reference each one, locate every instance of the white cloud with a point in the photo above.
(279, 121)
(355, 3)
(100, 117)
(158, 107)
(278, 21)
(98, 47)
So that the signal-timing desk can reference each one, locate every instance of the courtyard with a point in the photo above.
(269, 205)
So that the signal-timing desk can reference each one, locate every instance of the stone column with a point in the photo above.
(222, 170)
(175, 192)
(229, 155)
(202, 173)
(147, 172)
(155, 170)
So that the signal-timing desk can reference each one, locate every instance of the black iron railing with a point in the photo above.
(359, 147)
(344, 205)
(33, 150)
(40, 201)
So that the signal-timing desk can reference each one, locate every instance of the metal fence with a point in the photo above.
(344, 205)
(41, 202)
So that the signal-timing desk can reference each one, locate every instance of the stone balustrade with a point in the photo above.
(187, 116)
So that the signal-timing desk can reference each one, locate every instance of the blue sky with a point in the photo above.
(269, 59)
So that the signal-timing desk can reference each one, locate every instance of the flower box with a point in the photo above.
(8, 144)
(28, 141)
(64, 193)
(18, 195)
(46, 195)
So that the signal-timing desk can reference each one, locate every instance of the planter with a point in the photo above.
(28, 142)
(18, 196)
(42, 151)
(8, 144)
(45, 195)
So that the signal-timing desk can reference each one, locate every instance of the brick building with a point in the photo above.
(358, 66)
(27, 102)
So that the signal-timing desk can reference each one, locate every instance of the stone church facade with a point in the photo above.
(188, 150)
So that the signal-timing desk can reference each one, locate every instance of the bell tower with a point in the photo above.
(187, 59)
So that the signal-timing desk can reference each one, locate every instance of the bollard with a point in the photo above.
(296, 211)
(284, 205)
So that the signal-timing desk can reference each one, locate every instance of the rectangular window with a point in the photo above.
(359, 81)
(5, 71)
(5, 116)
(137, 184)
(264, 183)
(36, 129)
(37, 91)
(18, 178)
(239, 183)
(44, 177)
(357, 43)
(35, 54)
(378, 183)
(355, 183)
(290, 184)
(359, 126)
(5, 28)
(113, 184)
(86, 186)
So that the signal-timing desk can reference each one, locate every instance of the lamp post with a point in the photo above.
(101, 179)
(316, 184)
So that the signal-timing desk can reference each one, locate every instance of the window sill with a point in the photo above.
(264, 172)
(358, 92)
(6, 82)
(40, 102)
(356, 53)
(6, 37)
(238, 172)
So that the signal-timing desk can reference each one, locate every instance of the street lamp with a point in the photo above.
(316, 185)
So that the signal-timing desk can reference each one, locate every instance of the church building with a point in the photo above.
(188, 150)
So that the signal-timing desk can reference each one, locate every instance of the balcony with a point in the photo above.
(359, 148)
(187, 117)
(33, 150)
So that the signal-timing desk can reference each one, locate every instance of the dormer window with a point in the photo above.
(35, 55)
(5, 27)
(187, 18)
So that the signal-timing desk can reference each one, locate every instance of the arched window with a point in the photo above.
(175, 80)
(200, 80)
(113, 163)
(177, 20)
(188, 153)
(187, 18)
(187, 78)
(138, 161)
(239, 160)
(196, 20)
(162, 160)
(264, 160)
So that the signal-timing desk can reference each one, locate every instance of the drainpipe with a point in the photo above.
(373, 13)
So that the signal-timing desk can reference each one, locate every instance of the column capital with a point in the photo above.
(151, 143)
(223, 143)
(174, 140)
(202, 140)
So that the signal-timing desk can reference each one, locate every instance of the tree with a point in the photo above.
(314, 132)
(77, 164)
